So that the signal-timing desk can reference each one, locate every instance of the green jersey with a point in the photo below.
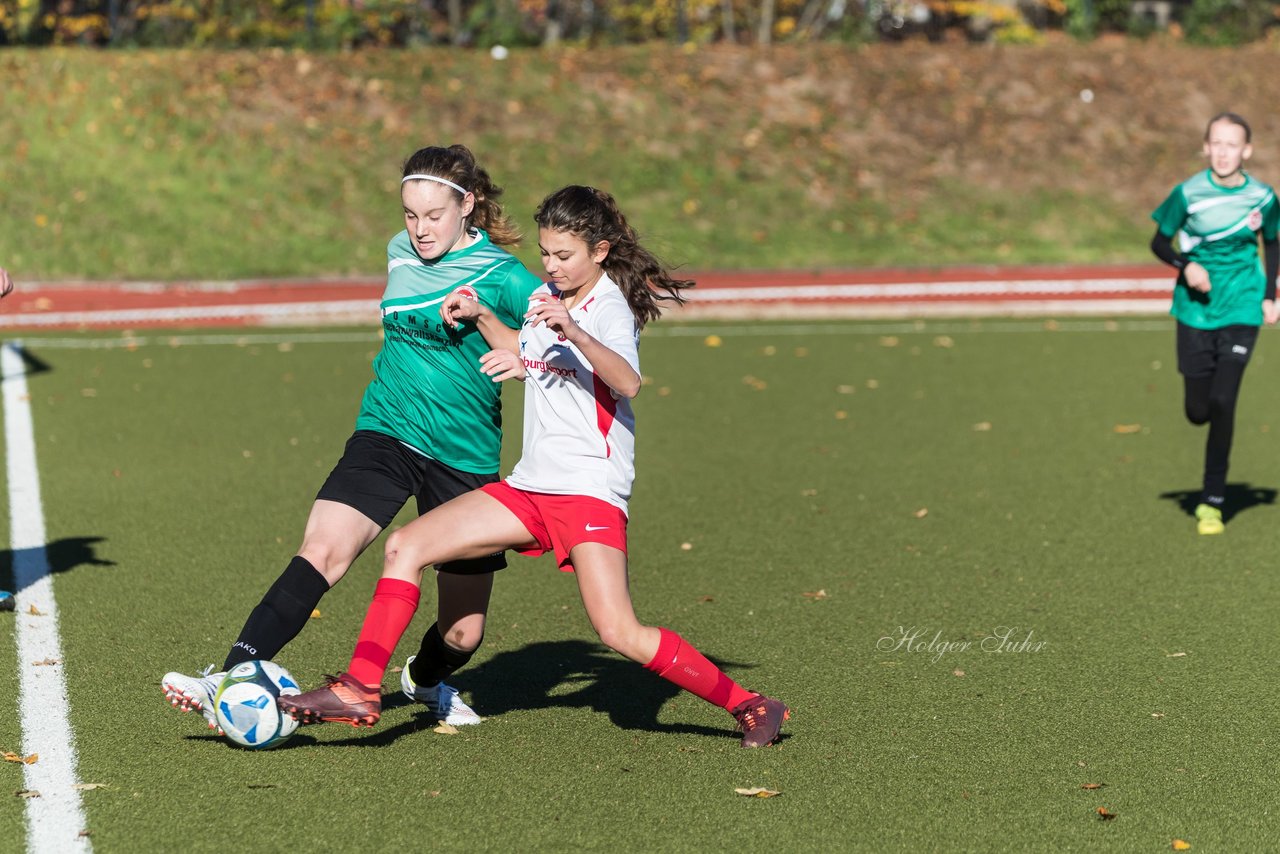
(427, 388)
(1217, 227)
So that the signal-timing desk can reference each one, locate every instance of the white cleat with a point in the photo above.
(194, 693)
(440, 700)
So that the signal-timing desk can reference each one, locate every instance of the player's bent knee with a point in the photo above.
(402, 552)
(464, 639)
(327, 561)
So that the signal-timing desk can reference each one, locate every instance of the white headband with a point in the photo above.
(447, 183)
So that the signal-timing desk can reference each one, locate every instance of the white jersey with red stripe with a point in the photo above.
(579, 436)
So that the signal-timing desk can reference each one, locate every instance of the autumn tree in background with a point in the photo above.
(408, 23)
(400, 23)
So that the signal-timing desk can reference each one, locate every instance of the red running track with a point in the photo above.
(934, 292)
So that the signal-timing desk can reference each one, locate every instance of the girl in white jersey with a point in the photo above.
(577, 353)
(429, 427)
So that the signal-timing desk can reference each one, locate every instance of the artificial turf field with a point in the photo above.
(839, 483)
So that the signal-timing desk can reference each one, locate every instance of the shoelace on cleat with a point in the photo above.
(344, 692)
(748, 719)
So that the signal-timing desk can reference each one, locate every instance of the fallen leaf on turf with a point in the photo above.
(817, 594)
(982, 427)
(1180, 845)
(25, 760)
(755, 383)
(922, 512)
(27, 793)
(845, 389)
(686, 546)
(1126, 428)
(1175, 655)
(712, 341)
(1093, 785)
(446, 729)
(758, 792)
(957, 672)
(1104, 815)
(46, 662)
(873, 384)
(35, 612)
(262, 785)
(944, 341)
(315, 613)
(435, 794)
(1157, 714)
(89, 787)
(808, 493)
(888, 340)
(706, 599)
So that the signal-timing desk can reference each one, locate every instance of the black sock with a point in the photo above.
(436, 659)
(1223, 394)
(281, 614)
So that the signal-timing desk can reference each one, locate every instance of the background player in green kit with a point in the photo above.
(1223, 293)
(429, 428)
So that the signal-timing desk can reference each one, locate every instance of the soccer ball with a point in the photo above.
(245, 705)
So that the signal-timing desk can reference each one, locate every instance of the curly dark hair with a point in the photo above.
(593, 215)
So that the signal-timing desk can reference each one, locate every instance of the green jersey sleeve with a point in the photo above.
(513, 298)
(1270, 219)
(1172, 212)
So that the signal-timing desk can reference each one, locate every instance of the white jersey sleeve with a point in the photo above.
(579, 436)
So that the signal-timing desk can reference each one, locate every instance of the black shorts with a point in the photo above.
(1200, 350)
(378, 474)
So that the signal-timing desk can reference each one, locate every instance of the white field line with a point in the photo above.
(902, 298)
(288, 312)
(55, 819)
(229, 339)
(920, 290)
(911, 327)
(660, 330)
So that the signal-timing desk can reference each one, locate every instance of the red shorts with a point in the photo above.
(560, 522)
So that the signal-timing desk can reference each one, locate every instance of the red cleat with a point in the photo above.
(760, 718)
(341, 700)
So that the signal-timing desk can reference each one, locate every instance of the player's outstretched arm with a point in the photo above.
(6, 282)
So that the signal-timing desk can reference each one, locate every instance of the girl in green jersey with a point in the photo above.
(429, 428)
(1223, 292)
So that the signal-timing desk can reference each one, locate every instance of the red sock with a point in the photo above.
(390, 612)
(677, 661)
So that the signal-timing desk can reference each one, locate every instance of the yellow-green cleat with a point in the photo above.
(1209, 519)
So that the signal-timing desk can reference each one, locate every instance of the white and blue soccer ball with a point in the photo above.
(246, 708)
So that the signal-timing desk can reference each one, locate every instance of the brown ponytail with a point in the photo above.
(593, 215)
